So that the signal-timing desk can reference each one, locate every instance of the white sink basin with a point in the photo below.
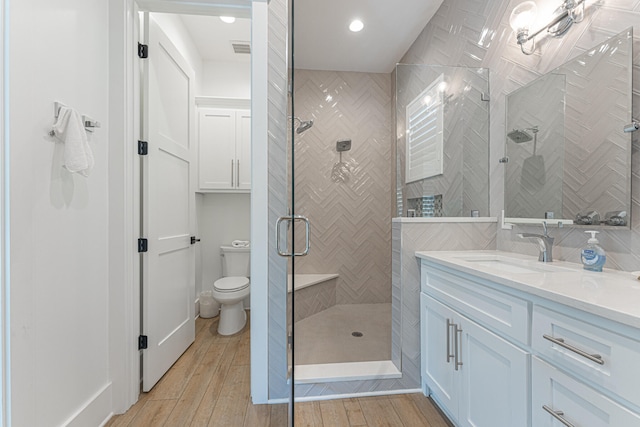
(512, 265)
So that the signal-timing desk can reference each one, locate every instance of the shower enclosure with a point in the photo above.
(336, 322)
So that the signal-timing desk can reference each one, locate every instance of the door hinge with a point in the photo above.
(504, 159)
(142, 245)
(143, 51)
(142, 342)
(143, 148)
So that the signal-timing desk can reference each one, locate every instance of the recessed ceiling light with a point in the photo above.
(356, 25)
(228, 19)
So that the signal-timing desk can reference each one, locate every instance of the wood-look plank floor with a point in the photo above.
(210, 386)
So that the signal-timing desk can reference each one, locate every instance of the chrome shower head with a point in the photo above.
(519, 136)
(304, 125)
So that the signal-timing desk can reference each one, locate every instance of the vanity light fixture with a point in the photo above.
(356, 25)
(524, 14)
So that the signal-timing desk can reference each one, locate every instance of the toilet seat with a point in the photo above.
(231, 284)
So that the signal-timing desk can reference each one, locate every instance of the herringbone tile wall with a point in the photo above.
(476, 33)
(348, 198)
(464, 184)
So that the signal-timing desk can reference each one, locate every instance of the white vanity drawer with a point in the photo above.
(572, 401)
(496, 310)
(607, 359)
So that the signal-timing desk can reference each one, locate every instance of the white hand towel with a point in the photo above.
(77, 153)
(240, 243)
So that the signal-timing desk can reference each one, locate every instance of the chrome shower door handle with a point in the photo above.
(278, 233)
(290, 219)
(306, 232)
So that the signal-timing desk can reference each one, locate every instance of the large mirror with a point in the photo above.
(567, 155)
(442, 128)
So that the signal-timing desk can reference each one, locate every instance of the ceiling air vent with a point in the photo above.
(241, 47)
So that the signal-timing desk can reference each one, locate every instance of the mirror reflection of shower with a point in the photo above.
(303, 125)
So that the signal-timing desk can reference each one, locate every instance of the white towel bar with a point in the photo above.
(89, 123)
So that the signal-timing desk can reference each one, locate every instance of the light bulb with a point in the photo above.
(523, 16)
(356, 25)
(228, 19)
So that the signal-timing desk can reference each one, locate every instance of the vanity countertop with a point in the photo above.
(611, 294)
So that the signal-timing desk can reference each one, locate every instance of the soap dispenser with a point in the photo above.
(593, 256)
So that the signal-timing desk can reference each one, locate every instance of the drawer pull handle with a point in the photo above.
(449, 325)
(558, 415)
(560, 341)
(458, 350)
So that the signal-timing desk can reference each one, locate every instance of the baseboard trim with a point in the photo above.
(95, 412)
(356, 395)
(346, 396)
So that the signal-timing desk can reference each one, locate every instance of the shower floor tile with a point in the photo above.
(326, 337)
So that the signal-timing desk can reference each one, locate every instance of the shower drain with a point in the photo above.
(357, 334)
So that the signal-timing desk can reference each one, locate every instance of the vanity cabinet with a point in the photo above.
(476, 376)
(526, 359)
(224, 152)
(558, 399)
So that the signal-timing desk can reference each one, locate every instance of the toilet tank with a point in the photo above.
(235, 261)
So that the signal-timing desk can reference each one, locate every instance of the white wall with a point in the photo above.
(59, 235)
(226, 79)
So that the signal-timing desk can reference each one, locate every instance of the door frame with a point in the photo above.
(124, 191)
(5, 279)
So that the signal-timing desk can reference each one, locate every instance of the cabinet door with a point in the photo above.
(573, 401)
(243, 150)
(494, 379)
(438, 372)
(216, 156)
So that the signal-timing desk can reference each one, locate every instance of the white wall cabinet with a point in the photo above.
(224, 150)
(477, 377)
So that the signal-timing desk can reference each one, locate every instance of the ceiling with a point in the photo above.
(322, 40)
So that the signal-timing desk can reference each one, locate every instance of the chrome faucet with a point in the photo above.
(545, 243)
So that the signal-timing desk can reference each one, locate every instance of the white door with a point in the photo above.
(438, 353)
(168, 204)
(494, 379)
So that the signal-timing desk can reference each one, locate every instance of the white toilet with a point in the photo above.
(232, 289)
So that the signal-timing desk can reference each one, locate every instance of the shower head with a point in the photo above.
(521, 135)
(303, 125)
